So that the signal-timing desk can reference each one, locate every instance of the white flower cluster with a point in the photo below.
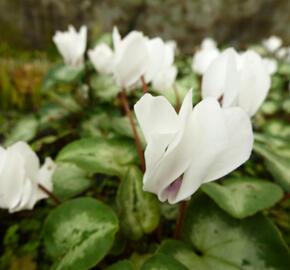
(20, 175)
(209, 51)
(131, 58)
(196, 145)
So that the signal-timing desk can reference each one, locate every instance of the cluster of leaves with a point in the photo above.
(105, 219)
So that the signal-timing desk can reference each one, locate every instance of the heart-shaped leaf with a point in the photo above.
(162, 262)
(62, 74)
(122, 265)
(69, 180)
(276, 152)
(216, 241)
(98, 155)
(24, 130)
(242, 197)
(79, 233)
(183, 253)
(138, 210)
(104, 87)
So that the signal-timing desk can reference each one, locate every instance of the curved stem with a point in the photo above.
(180, 220)
(144, 85)
(50, 194)
(124, 100)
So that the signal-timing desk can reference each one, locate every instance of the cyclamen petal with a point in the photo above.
(20, 174)
(102, 58)
(201, 145)
(71, 45)
(205, 56)
(165, 79)
(160, 69)
(272, 44)
(237, 80)
(130, 58)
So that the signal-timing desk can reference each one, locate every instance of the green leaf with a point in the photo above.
(162, 262)
(242, 197)
(97, 155)
(276, 152)
(24, 130)
(270, 107)
(225, 243)
(277, 127)
(139, 211)
(183, 253)
(121, 125)
(69, 180)
(104, 87)
(96, 125)
(79, 233)
(122, 265)
(62, 74)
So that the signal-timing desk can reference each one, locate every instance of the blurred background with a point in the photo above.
(31, 23)
(27, 26)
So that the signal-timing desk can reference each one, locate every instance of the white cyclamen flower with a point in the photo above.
(271, 65)
(165, 79)
(20, 174)
(204, 56)
(196, 146)
(71, 45)
(272, 43)
(102, 58)
(237, 80)
(160, 69)
(130, 57)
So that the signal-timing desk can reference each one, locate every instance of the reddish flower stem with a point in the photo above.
(144, 85)
(180, 219)
(286, 197)
(50, 194)
(124, 100)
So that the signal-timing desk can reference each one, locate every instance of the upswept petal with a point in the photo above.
(102, 58)
(209, 138)
(238, 147)
(202, 59)
(156, 115)
(31, 161)
(82, 39)
(12, 179)
(169, 56)
(214, 78)
(175, 158)
(71, 44)
(131, 59)
(232, 80)
(255, 82)
(208, 43)
(116, 38)
(165, 79)
(156, 58)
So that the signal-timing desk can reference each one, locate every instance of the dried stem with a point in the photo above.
(180, 220)
(144, 85)
(124, 100)
(50, 194)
